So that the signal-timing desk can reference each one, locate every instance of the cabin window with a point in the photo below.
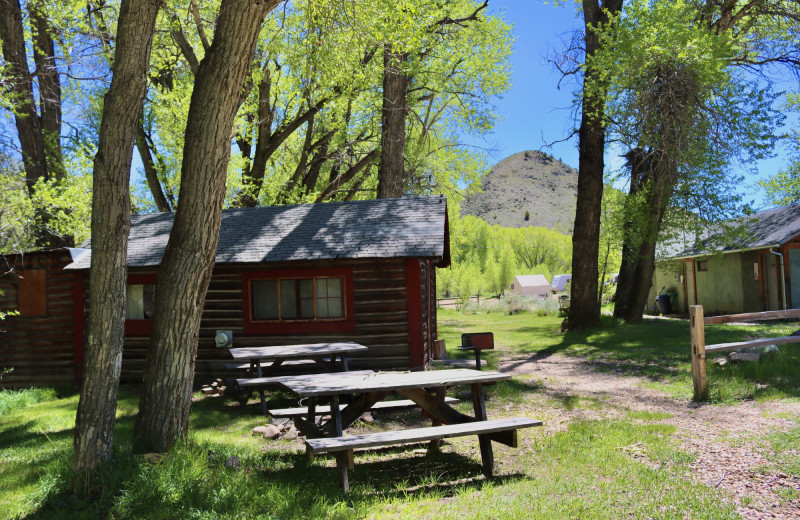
(702, 265)
(32, 292)
(286, 299)
(139, 299)
(139, 304)
(302, 301)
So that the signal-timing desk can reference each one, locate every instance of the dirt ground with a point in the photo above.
(724, 439)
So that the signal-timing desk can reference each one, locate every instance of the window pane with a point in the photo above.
(288, 299)
(322, 288)
(335, 309)
(306, 298)
(134, 302)
(306, 288)
(334, 287)
(322, 308)
(148, 297)
(265, 299)
(307, 308)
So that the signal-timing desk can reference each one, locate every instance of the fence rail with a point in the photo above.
(697, 323)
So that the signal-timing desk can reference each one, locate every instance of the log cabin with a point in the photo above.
(360, 271)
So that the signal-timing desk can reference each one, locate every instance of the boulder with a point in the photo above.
(738, 357)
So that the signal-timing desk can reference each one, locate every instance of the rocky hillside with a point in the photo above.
(531, 183)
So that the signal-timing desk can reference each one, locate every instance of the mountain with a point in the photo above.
(529, 181)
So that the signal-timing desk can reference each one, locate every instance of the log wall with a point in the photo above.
(39, 346)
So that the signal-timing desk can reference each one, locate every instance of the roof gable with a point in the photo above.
(531, 280)
(383, 228)
(772, 227)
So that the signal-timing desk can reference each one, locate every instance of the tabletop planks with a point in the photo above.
(295, 351)
(354, 383)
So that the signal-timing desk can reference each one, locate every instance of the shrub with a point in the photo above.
(11, 400)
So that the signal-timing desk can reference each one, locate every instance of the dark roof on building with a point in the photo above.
(769, 228)
(384, 228)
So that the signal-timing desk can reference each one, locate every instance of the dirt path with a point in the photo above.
(724, 439)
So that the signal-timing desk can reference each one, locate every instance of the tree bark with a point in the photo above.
(94, 423)
(189, 257)
(391, 174)
(584, 306)
(20, 85)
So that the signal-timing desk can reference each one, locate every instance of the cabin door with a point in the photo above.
(771, 281)
(794, 277)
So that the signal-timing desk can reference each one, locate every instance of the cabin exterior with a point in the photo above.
(535, 285)
(360, 271)
(759, 271)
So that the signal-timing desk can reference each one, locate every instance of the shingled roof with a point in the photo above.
(384, 228)
(770, 228)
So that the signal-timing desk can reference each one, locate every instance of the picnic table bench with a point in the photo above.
(322, 355)
(425, 389)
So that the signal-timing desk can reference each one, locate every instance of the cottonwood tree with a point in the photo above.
(584, 306)
(94, 422)
(686, 114)
(189, 257)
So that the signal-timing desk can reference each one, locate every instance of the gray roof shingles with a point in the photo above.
(384, 228)
(767, 228)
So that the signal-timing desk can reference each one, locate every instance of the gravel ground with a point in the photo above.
(724, 439)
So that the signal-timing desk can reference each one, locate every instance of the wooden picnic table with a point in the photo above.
(426, 389)
(324, 355)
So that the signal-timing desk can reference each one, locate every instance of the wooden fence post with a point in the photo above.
(697, 329)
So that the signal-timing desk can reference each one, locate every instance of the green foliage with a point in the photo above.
(17, 400)
(485, 258)
(783, 188)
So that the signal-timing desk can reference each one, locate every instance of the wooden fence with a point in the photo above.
(697, 325)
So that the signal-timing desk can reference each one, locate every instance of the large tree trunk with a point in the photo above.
(584, 306)
(391, 174)
(28, 123)
(189, 257)
(94, 423)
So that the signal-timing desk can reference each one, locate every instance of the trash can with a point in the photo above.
(663, 303)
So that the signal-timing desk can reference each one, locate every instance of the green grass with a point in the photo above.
(630, 467)
(657, 350)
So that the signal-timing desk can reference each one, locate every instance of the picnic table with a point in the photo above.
(323, 355)
(425, 389)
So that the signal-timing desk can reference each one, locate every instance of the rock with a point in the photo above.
(721, 361)
(207, 390)
(271, 431)
(291, 434)
(738, 357)
(214, 384)
(259, 430)
(153, 458)
(465, 395)
(770, 351)
(367, 418)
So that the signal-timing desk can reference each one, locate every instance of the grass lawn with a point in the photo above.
(625, 468)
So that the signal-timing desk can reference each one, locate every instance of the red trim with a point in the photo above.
(139, 327)
(347, 324)
(78, 326)
(416, 348)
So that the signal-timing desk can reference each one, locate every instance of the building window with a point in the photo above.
(287, 299)
(139, 301)
(702, 265)
(298, 301)
(139, 306)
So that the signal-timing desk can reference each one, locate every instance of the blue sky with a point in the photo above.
(535, 112)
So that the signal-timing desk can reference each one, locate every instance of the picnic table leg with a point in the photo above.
(436, 421)
(260, 390)
(487, 457)
(343, 460)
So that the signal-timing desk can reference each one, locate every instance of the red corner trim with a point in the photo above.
(78, 326)
(416, 350)
(348, 324)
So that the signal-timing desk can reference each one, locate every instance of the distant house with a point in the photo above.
(530, 285)
(757, 272)
(358, 271)
(560, 282)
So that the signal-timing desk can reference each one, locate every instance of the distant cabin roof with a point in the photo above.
(532, 280)
(773, 227)
(384, 228)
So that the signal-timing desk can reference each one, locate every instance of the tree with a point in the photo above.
(584, 307)
(684, 114)
(94, 422)
(189, 257)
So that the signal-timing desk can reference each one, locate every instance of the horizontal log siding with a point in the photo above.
(381, 319)
(39, 348)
